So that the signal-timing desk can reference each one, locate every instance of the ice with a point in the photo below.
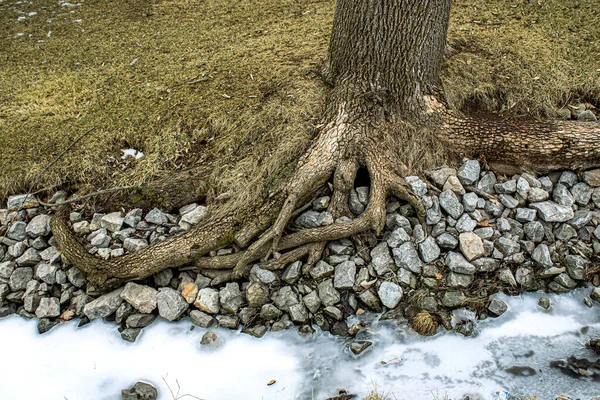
(93, 362)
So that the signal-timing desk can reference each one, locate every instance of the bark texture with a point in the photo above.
(384, 65)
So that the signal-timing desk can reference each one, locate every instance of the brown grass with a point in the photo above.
(235, 84)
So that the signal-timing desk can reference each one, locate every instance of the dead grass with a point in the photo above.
(235, 84)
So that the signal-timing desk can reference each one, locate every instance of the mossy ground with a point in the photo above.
(236, 85)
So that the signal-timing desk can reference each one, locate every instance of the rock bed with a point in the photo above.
(483, 233)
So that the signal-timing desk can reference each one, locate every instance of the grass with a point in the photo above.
(235, 85)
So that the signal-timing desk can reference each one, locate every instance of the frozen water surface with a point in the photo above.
(509, 353)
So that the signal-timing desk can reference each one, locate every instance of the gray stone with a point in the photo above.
(546, 183)
(508, 201)
(327, 293)
(541, 255)
(231, 298)
(321, 270)
(263, 275)
(19, 278)
(140, 391)
(544, 302)
(390, 294)
(447, 241)
(429, 250)
(354, 203)
(417, 185)
(582, 193)
(194, 216)
(46, 273)
(269, 312)
(450, 203)
(576, 266)
(592, 177)
(381, 260)
(139, 320)
(487, 182)
(81, 228)
(112, 222)
(228, 321)
(562, 195)
(363, 194)
(453, 299)
(50, 255)
(163, 278)
(156, 217)
(211, 340)
(456, 280)
(468, 173)
(171, 305)
(298, 313)
(453, 183)
(99, 238)
(370, 300)
(565, 232)
(201, 319)
(359, 346)
(581, 219)
(29, 258)
(493, 209)
(406, 278)
(569, 178)
(507, 246)
(16, 231)
(507, 187)
(586, 116)
(486, 264)
(333, 312)
(434, 215)
(534, 231)
(344, 275)
(396, 238)
(525, 214)
(537, 195)
(74, 276)
(465, 224)
(469, 201)
(595, 294)
(523, 187)
(292, 272)
(130, 335)
(485, 232)
(284, 298)
(104, 305)
(565, 280)
(38, 226)
(551, 272)
(457, 263)
(321, 203)
(6, 269)
(312, 301)
(507, 277)
(143, 298)
(471, 245)
(525, 277)
(49, 308)
(21, 201)
(406, 256)
(133, 217)
(440, 175)
(208, 299)
(497, 307)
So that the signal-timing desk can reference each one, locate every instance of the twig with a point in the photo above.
(87, 196)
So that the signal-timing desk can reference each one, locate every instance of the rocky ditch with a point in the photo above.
(483, 233)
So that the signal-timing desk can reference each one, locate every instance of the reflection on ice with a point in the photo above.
(510, 353)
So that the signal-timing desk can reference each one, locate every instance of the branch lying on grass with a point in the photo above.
(87, 196)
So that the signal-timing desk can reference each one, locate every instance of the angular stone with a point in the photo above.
(486, 264)
(211, 340)
(171, 305)
(447, 241)
(562, 195)
(327, 293)
(6, 269)
(194, 216)
(450, 203)
(38, 226)
(429, 250)
(580, 219)
(453, 299)
(406, 256)
(595, 294)
(189, 291)
(525, 214)
(156, 216)
(321, 270)
(534, 231)
(453, 183)
(456, 280)
(134, 244)
(576, 266)
(468, 173)
(139, 320)
(228, 321)
(508, 201)
(544, 302)
(201, 319)
(592, 177)
(507, 187)
(81, 228)
(497, 307)
(565, 280)
(208, 300)
(507, 277)
(390, 294)
(333, 312)
(396, 238)
(525, 277)
(312, 301)
(104, 305)
(16, 231)
(551, 272)
(21, 201)
(112, 222)
(469, 202)
(344, 275)
(283, 298)
(541, 255)
(406, 278)
(586, 116)
(487, 182)
(537, 194)
(133, 217)
(471, 245)
(263, 275)
(46, 273)
(143, 298)
(231, 298)
(49, 308)
(508, 247)
(298, 313)
(582, 193)
(381, 260)
(440, 175)
(269, 312)
(370, 300)
(130, 335)
(30, 258)
(19, 278)
(457, 263)
(417, 185)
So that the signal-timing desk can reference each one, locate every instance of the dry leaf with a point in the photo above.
(271, 382)
(67, 315)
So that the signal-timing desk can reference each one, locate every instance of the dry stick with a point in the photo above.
(87, 196)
